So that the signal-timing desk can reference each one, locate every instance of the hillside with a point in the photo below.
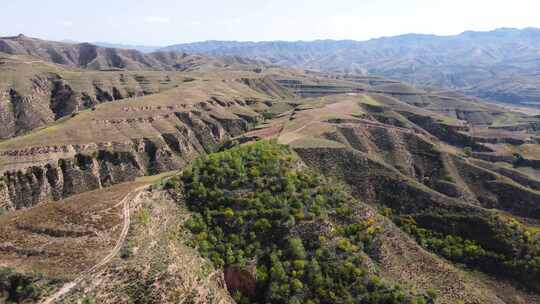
(34, 92)
(501, 65)
(279, 185)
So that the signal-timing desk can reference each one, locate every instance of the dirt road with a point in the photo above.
(119, 243)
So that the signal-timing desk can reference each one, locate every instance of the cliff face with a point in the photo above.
(58, 172)
(21, 112)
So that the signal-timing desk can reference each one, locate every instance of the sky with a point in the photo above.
(166, 22)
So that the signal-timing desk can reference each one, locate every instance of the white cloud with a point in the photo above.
(157, 19)
(65, 22)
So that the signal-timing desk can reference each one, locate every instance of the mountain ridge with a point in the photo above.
(93, 57)
(500, 65)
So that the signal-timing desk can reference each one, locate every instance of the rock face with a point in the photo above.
(242, 280)
(20, 112)
(58, 172)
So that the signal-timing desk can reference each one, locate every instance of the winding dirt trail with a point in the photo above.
(116, 249)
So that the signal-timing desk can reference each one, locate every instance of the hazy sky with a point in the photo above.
(163, 22)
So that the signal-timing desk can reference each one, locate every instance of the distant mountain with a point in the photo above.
(93, 57)
(502, 64)
(140, 48)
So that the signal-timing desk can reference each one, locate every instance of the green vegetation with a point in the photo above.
(253, 205)
(18, 288)
(468, 151)
(506, 119)
(143, 217)
(366, 99)
(521, 262)
(88, 301)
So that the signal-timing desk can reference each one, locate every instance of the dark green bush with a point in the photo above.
(521, 263)
(16, 287)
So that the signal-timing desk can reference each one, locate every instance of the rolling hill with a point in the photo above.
(254, 183)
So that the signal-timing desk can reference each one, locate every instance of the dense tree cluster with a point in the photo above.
(521, 263)
(255, 207)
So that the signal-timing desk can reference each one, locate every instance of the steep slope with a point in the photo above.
(59, 242)
(116, 142)
(404, 185)
(156, 265)
(402, 163)
(261, 212)
(34, 93)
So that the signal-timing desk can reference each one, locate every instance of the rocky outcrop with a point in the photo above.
(53, 173)
(4, 196)
(243, 280)
(446, 133)
(68, 176)
(20, 112)
(63, 99)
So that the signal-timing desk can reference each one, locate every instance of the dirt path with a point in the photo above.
(119, 243)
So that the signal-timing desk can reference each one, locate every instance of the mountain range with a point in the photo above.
(501, 65)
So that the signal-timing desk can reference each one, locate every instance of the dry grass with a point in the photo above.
(61, 239)
(158, 266)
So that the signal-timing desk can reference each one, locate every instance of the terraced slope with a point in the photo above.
(156, 264)
(61, 246)
(34, 93)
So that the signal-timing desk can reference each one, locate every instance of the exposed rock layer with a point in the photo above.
(64, 171)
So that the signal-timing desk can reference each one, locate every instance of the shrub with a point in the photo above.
(521, 263)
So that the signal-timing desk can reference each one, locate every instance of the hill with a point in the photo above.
(281, 185)
(500, 65)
